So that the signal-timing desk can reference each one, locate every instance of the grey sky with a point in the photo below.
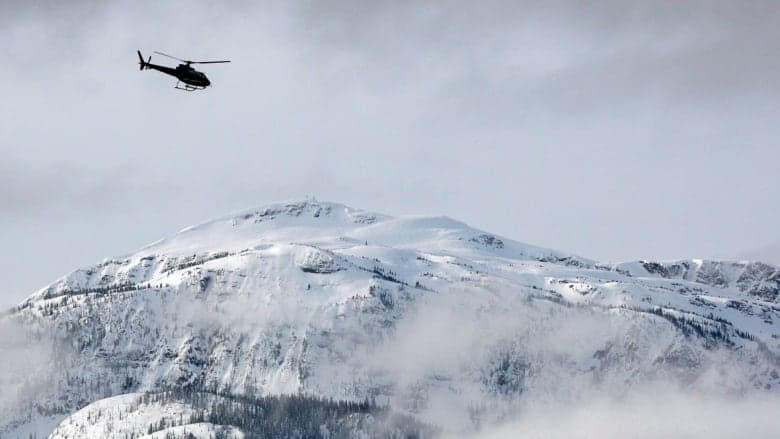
(617, 131)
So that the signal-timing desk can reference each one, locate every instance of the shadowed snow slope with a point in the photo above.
(454, 325)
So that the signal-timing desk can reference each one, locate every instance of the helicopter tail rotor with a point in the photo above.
(141, 63)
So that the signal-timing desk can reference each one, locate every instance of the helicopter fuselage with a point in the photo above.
(183, 73)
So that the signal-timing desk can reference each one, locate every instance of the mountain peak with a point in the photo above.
(291, 220)
(303, 210)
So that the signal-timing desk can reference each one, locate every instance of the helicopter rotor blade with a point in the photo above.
(169, 56)
(208, 62)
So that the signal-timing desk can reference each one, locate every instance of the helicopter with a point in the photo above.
(192, 79)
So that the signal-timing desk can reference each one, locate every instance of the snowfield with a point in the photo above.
(453, 325)
(127, 416)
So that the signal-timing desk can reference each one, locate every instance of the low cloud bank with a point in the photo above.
(649, 413)
(524, 369)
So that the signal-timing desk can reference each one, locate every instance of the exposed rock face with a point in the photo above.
(752, 278)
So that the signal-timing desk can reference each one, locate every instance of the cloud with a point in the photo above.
(26, 357)
(543, 370)
(561, 53)
(648, 413)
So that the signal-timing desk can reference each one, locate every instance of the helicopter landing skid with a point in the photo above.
(187, 87)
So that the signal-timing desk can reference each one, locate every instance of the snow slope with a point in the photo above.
(127, 416)
(438, 319)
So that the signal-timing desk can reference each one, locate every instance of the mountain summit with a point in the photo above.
(445, 324)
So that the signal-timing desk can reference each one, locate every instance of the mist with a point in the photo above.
(27, 358)
(651, 412)
(554, 371)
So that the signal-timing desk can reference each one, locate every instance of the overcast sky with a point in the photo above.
(617, 130)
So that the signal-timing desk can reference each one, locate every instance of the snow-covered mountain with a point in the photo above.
(428, 316)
